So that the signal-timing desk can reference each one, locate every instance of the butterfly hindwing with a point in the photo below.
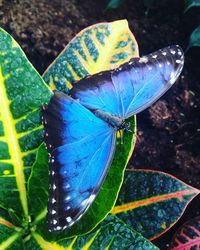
(81, 148)
(133, 86)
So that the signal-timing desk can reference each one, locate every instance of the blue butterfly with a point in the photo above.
(81, 128)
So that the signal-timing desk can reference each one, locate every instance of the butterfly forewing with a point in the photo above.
(151, 76)
(133, 86)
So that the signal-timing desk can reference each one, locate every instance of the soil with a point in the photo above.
(168, 137)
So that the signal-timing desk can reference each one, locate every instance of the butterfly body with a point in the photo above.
(114, 121)
(81, 128)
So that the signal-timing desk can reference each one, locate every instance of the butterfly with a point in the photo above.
(81, 128)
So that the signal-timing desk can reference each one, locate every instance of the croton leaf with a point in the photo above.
(100, 47)
(10, 236)
(188, 236)
(191, 3)
(195, 37)
(97, 48)
(114, 4)
(111, 234)
(22, 92)
(151, 201)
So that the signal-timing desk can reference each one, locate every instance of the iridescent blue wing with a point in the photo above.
(133, 86)
(81, 147)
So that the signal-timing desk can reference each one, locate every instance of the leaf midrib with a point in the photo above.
(109, 46)
(13, 144)
(154, 199)
(9, 241)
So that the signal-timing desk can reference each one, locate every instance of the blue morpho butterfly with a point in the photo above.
(80, 128)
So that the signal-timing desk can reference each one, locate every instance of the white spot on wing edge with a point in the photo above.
(178, 61)
(68, 219)
(143, 59)
(172, 78)
(54, 221)
(53, 201)
(173, 52)
(53, 211)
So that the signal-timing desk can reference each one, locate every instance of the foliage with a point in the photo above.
(191, 3)
(188, 236)
(24, 181)
(151, 201)
(114, 4)
(195, 37)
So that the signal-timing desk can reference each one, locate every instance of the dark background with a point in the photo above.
(168, 137)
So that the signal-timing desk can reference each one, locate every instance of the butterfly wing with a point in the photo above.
(81, 147)
(151, 76)
(133, 86)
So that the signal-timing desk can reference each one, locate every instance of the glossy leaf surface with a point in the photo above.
(114, 4)
(151, 202)
(97, 48)
(111, 234)
(22, 92)
(188, 236)
(10, 236)
(191, 3)
(195, 37)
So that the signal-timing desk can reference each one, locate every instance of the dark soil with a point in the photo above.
(168, 136)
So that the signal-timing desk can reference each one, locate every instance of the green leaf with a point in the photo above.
(22, 92)
(188, 236)
(100, 47)
(114, 4)
(151, 202)
(10, 236)
(38, 184)
(111, 234)
(195, 38)
(191, 3)
(97, 48)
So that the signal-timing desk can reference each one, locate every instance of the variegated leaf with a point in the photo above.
(151, 202)
(111, 234)
(97, 48)
(10, 235)
(22, 92)
(188, 236)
